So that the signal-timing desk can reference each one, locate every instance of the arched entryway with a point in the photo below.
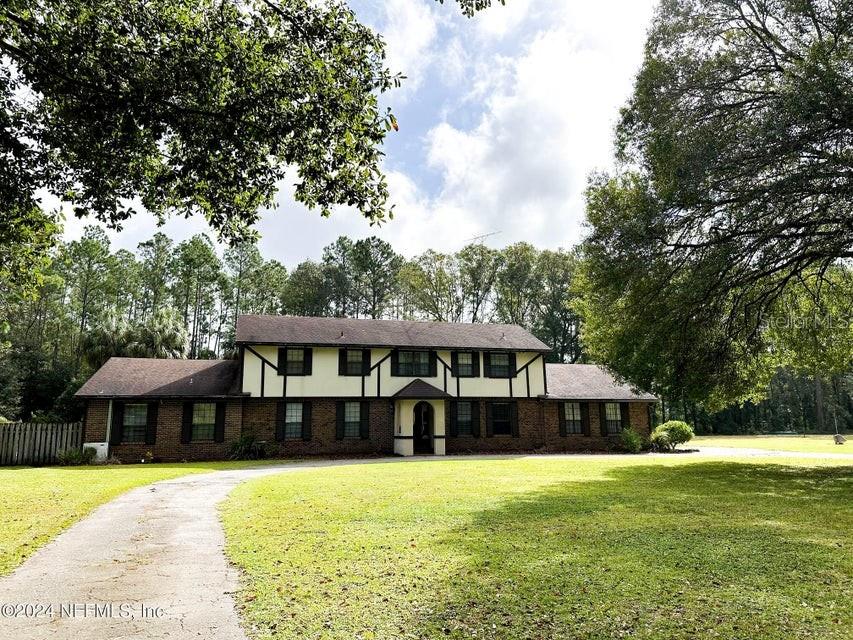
(423, 425)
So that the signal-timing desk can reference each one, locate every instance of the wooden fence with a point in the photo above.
(34, 443)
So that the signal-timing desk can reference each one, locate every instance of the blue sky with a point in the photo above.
(502, 118)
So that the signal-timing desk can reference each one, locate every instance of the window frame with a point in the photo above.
(468, 430)
(608, 420)
(290, 423)
(573, 422)
(349, 423)
(507, 419)
(474, 370)
(194, 425)
(349, 370)
(412, 373)
(490, 367)
(288, 362)
(143, 426)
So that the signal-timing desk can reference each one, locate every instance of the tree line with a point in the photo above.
(170, 299)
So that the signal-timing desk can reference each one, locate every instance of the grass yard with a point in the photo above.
(800, 444)
(39, 502)
(548, 548)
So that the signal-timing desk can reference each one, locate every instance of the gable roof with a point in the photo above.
(351, 332)
(589, 382)
(162, 378)
(418, 389)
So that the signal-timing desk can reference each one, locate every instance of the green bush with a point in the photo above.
(247, 447)
(631, 441)
(665, 437)
(76, 457)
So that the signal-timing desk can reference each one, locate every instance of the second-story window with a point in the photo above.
(413, 363)
(465, 364)
(499, 365)
(294, 361)
(354, 362)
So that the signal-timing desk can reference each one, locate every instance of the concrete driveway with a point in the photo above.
(150, 564)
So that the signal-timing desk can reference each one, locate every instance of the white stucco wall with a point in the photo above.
(325, 381)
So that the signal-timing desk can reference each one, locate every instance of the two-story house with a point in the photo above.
(337, 386)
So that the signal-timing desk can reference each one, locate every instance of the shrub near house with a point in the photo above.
(321, 386)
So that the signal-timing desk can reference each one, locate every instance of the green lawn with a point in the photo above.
(800, 444)
(39, 502)
(548, 548)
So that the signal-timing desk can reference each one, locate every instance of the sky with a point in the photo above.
(502, 119)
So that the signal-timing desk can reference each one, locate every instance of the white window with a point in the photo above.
(133, 427)
(352, 420)
(499, 365)
(464, 419)
(465, 364)
(613, 417)
(413, 363)
(295, 362)
(354, 362)
(293, 420)
(572, 414)
(204, 420)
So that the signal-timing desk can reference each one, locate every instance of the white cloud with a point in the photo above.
(409, 29)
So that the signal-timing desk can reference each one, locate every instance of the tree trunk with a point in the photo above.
(818, 401)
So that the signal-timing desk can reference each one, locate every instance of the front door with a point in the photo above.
(423, 425)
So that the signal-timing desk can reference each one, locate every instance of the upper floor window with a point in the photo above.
(572, 415)
(134, 422)
(413, 363)
(499, 364)
(354, 362)
(465, 364)
(294, 361)
(612, 417)
(204, 421)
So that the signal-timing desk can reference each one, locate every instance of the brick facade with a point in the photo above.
(538, 430)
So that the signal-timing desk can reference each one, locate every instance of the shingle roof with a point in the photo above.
(152, 377)
(418, 389)
(588, 382)
(346, 332)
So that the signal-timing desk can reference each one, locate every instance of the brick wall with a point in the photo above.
(168, 446)
(259, 419)
(538, 427)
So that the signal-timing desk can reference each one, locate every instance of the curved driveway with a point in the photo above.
(158, 546)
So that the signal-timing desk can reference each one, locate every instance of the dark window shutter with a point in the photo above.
(561, 416)
(282, 361)
(475, 418)
(364, 427)
(602, 418)
(395, 363)
(339, 420)
(342, 362)
(454, 419)
(512, 365)
(117, 423)
(307, 361)
(513, 418)
(306, 421)
(151, 423)
(475, 361)
(187, 423)
(487, 366)
(280, 414)
(624, 414)
(454, 363)
(585, 418)
(433, 364)
(490, 431)
(219, 426)
(365, 362)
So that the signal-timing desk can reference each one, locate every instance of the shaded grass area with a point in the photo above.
(801, 444)
(36, 503)
(547, 548)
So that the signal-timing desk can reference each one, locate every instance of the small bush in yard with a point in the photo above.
(76, 457)
(674, 432)
(632, 442)
(247, 447)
